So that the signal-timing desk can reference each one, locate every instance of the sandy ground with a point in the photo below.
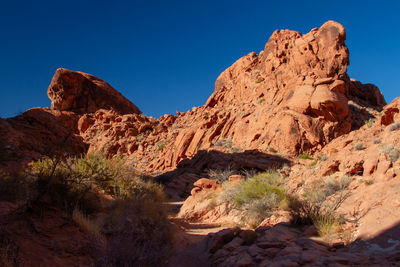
(189, 240)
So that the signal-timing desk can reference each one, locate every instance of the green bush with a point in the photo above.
(257, 197)
(135, 230)
(262, 185)
(161, 145)
(261, 100)
(304, 156)
(74, 181)
(312, 164)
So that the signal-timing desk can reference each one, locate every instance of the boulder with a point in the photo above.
(84, 93)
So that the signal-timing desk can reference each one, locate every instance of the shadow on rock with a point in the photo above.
(179, 182)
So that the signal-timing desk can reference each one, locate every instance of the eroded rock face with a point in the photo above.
(295, 96)
(38, 132)
(84, 93)
(296, 91)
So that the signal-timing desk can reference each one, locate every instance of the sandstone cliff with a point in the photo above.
(295, 96)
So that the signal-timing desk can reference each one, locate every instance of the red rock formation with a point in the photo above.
(38, 132)
(294, 96)
(83, 93)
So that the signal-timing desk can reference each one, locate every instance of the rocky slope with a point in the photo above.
(295, 96)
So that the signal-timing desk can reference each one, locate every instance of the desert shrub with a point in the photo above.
(135, 231)
(259, 209)
(86, 225)
(64, 184)
(312, 164)
(318, 192)
(261, 100)
(392, 151)
(257, 197)
(139, 137)
(225, 142)
(249, 173)
(370, 122)
(221, 175)
(359, 146)
(327, 223)
(315, 209)
(394, 126)
(74, 181)
(259, 186)
(161, 145)
(368, 181)
(304, 156)
(323, 158)
(138, 233)
(228, 193)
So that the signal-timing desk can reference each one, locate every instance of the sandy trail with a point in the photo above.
(189, 241)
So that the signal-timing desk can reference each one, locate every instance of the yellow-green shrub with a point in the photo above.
(75, 181)
(265, 185)
(257, 197)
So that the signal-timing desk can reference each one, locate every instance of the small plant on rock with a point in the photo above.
(261, 100)
(221, 176)
(323, 158)
(359, 146)
(312, 164)
(392, 151)
(320, 203)
(139, 137)
(257, 197)
(394, 126)
(370, 122)
(304, 156)
(161, 145)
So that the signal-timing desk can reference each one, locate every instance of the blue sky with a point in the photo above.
(165, 55)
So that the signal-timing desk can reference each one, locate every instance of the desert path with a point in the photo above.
(189, 240)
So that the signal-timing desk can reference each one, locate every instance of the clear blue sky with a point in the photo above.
(165, 55)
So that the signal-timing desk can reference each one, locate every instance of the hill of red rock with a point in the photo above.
(295, 96)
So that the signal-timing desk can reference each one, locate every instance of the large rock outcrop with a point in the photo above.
(295, 96)
(83, 93)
